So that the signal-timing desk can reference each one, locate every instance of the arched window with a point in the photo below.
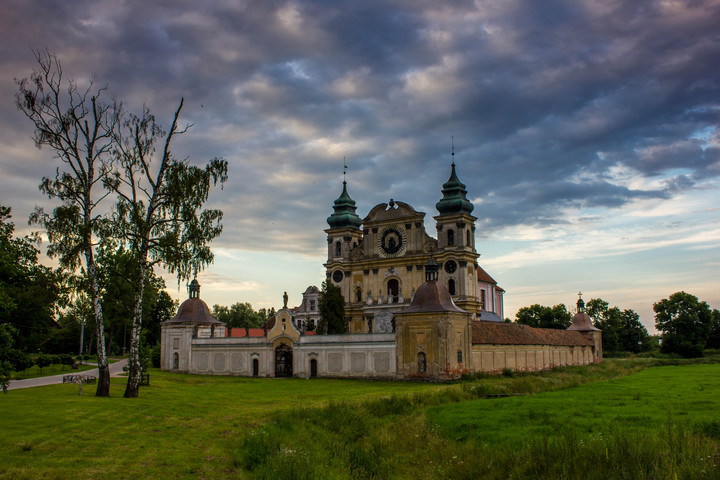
(451, 286)
(338, 249)
(393, 290)
(176, 361)
(422, 363)
(358, 294)
(451, 237)
(255, 367)
(468, 243)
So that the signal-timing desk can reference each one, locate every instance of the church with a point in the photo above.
(416, 306)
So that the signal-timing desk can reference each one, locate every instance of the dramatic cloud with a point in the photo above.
(560, 111)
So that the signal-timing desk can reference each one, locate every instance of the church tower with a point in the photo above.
(456, 242)
(343, 235)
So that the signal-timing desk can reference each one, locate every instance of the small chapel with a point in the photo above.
(416, 307)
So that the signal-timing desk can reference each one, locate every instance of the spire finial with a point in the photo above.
(452, 149)
(580, 303)
(344, 170)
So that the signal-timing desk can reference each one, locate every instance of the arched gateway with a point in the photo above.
(283, 360)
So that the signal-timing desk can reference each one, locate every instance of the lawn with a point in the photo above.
(630, 421)
(182, 426)
(644, 401)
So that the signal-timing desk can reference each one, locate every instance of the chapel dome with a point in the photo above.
(581, 321)
(194, 310)
(432, 296)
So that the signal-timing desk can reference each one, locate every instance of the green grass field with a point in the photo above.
(182, 426)
(662, 419)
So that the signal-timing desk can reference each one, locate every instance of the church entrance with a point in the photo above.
(313, 368)
(283, 361)
(255, 367)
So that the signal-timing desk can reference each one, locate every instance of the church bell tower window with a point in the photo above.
(338, 249)
(451, 286)
(451, 237)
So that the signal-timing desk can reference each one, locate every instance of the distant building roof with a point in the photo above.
(493, 333)
(240, 332)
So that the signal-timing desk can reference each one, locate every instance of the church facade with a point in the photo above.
(417, 306)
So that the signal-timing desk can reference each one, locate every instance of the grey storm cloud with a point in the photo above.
(538, 96)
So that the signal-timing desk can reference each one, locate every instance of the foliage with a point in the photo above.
(158, 215)
(544, 317)
(7, 339)
(29, 291)
(685, 323)
(43, 360)
(332, 309)
(79, 129)
(240, 315)
(621, 329)
(714, 336)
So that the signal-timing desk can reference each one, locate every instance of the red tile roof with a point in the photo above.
(493, 333)
(483, 276)
(240, 332)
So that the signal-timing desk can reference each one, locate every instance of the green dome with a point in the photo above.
(454, 196)
(344, 215)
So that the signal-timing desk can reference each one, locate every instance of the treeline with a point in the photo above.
(242, 315)
(685, 324)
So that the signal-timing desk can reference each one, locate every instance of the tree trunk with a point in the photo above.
(103, 384)
(134, 367)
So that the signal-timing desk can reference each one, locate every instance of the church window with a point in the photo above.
(338, 249)
(176, 361)
(451, 237)
(312, 305)
(451, 286)
(468, 242)
(393, 289)
(459, 356)
(358, 295)
(422, 363)
(482, 299)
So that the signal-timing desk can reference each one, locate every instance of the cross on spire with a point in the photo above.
(344, 170)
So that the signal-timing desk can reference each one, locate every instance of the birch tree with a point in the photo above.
(159, 212)
(78, 126)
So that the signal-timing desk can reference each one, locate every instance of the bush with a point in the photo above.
(507, 372)
(43, 361)
(155, 356)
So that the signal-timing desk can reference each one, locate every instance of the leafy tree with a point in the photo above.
(544, 317)
(621, 329)
(239, 315)
(7, 338)
(332, 309)
(78, 127)
(685, 324)
(43, 360)
(29, 291)
(158, 216)
(714, 337)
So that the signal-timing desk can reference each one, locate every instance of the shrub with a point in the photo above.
(507, 372)
(155, 356)
(43, 361)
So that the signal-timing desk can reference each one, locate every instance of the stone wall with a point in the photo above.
(495, 358)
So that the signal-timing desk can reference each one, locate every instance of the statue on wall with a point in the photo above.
(285, 299)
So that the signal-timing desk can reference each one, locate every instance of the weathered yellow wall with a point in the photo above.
(494, 358)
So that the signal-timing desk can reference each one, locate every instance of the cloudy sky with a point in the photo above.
(586, 131)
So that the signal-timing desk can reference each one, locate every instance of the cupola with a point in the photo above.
(344, 215)
(454, 196)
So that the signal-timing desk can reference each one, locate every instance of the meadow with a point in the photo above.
(619, 419)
